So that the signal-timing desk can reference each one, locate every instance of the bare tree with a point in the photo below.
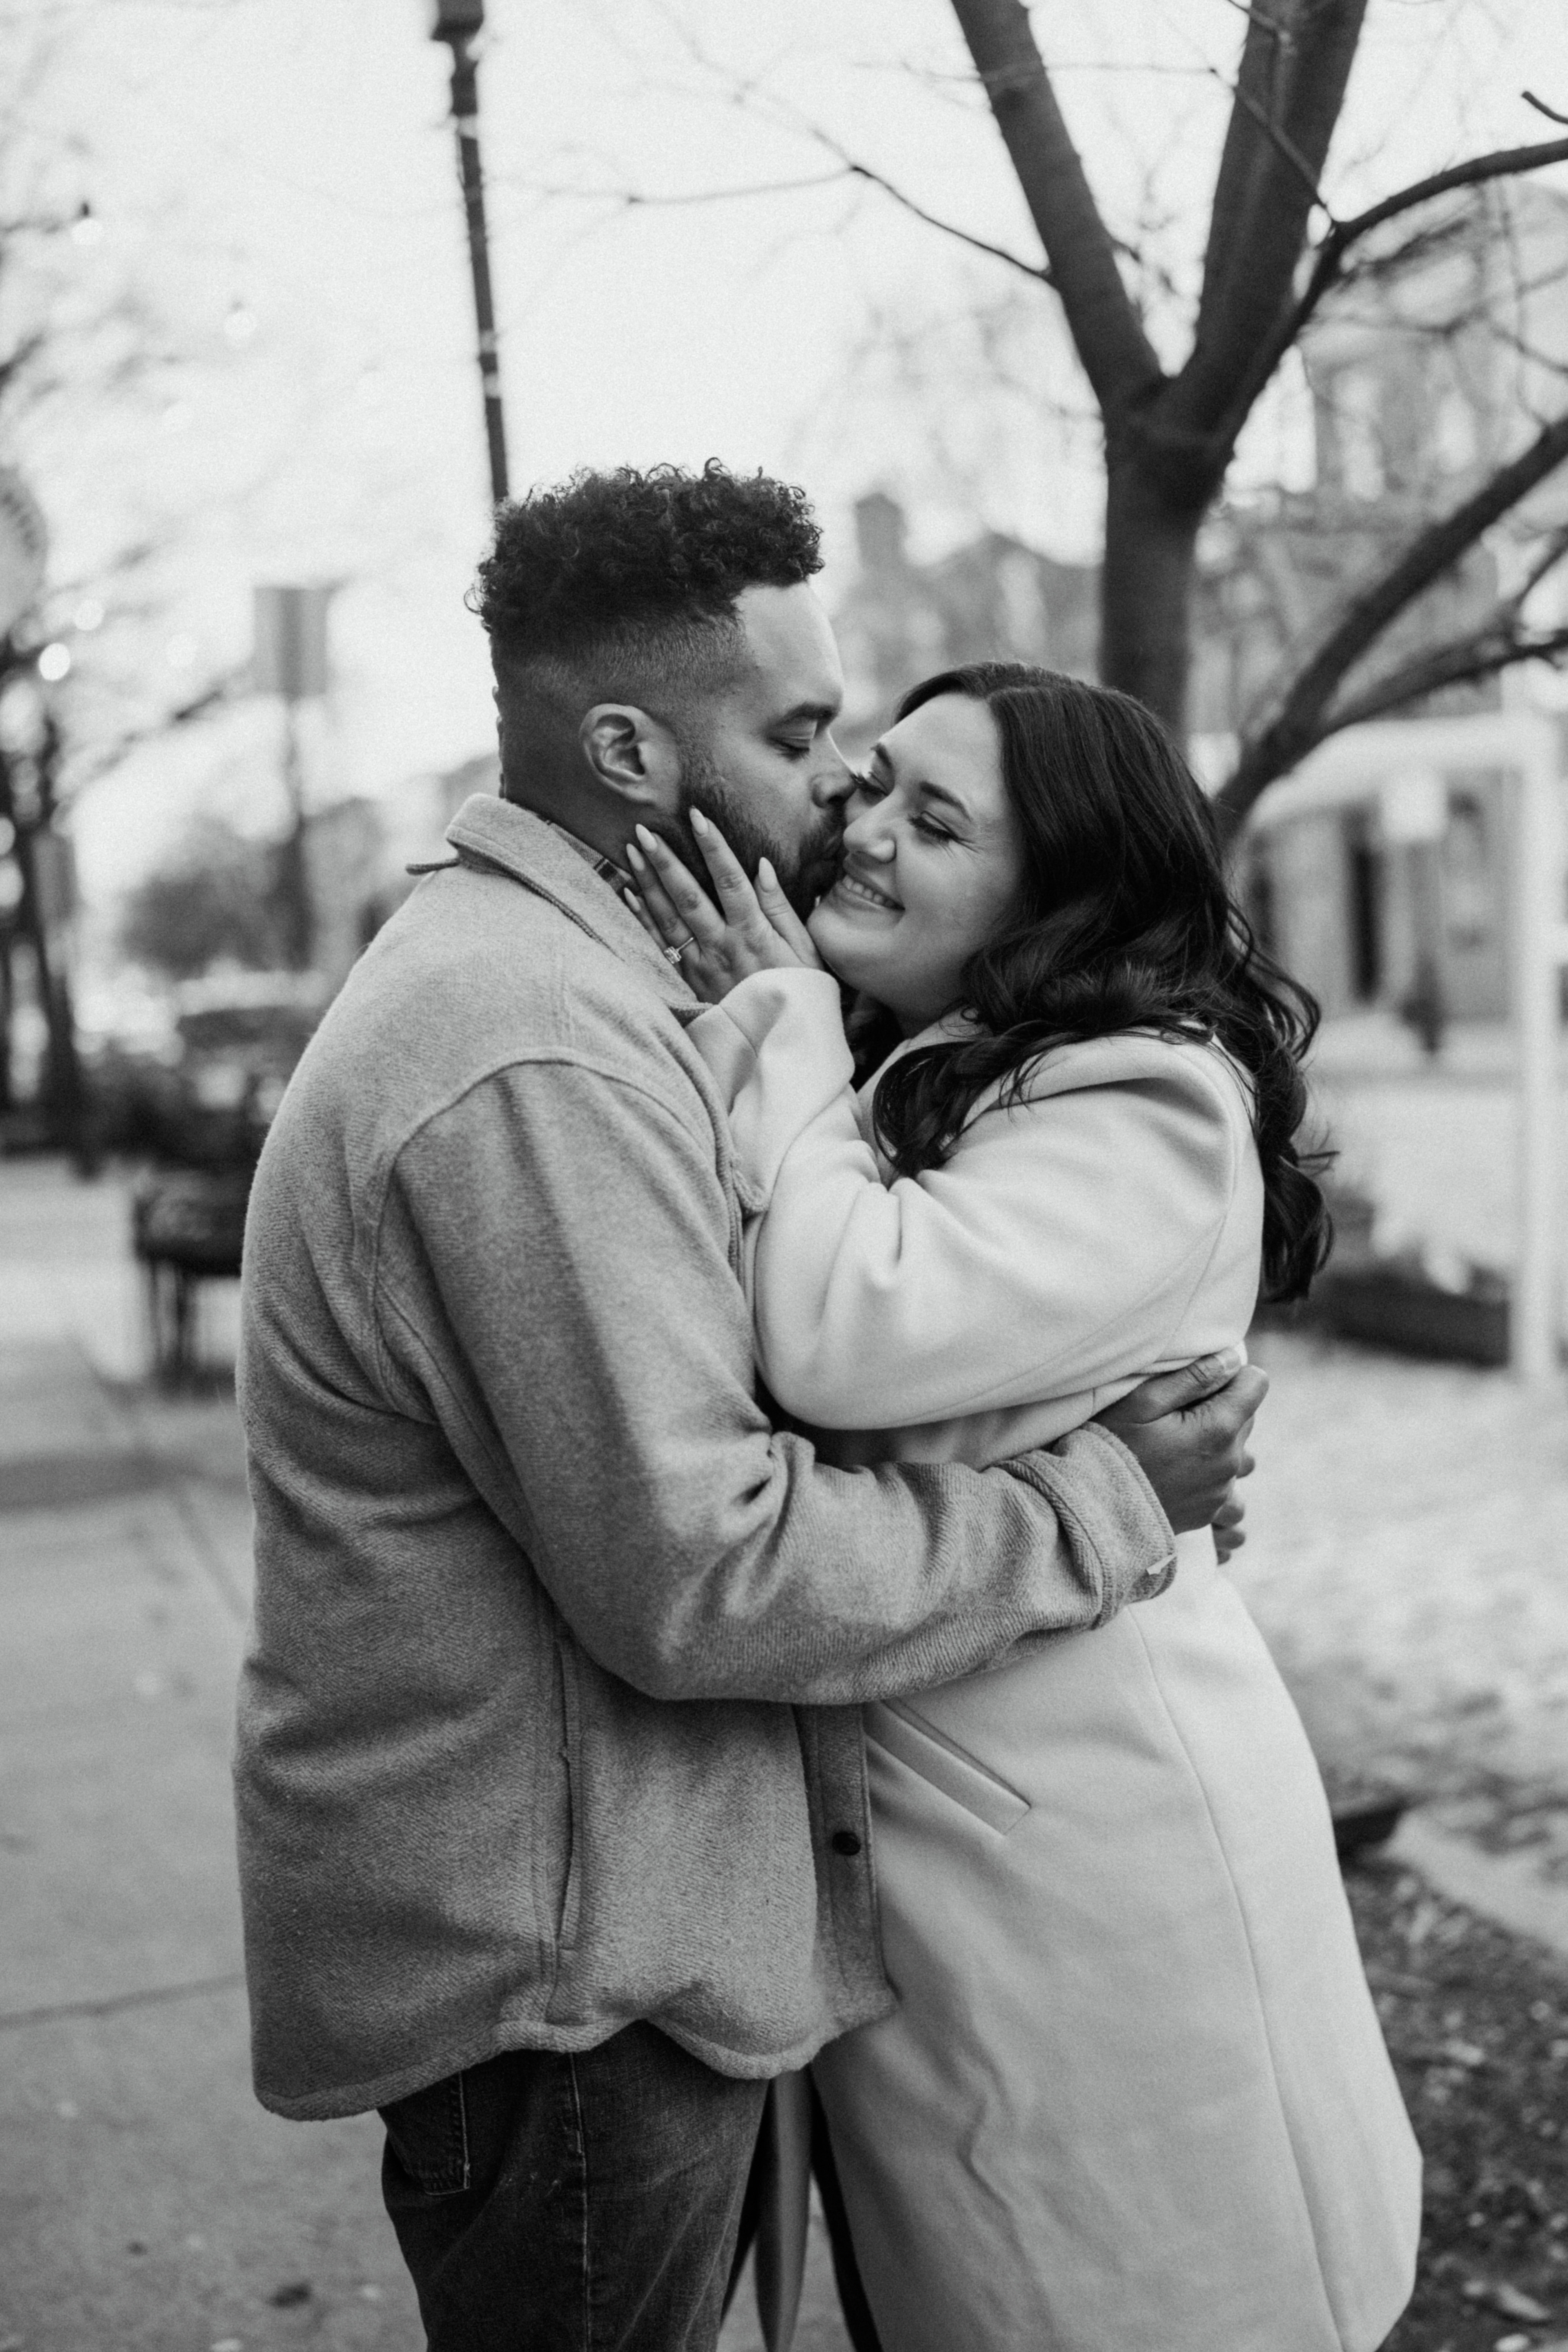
(78, 342)
(1171, 434)
(1276, 261)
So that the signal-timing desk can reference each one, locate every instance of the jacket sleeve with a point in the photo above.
(555, 1286)
(1056, 1250)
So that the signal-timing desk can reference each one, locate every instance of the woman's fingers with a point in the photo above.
(665, 884)
(640, 907)
(736, 896)
(657, 908)
(782, 916)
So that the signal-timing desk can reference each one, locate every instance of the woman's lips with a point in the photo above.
(866, 893)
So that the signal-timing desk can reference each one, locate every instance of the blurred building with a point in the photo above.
(994, 598)
(345, 857)
(1418, 383)
(358, 852)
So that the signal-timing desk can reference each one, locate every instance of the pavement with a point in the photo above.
(147, 2204)
(1408, 1561)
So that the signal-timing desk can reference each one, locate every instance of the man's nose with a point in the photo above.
(833, 780)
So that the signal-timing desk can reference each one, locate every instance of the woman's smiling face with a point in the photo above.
(934, 863)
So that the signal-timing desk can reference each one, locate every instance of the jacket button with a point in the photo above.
(845, 1841)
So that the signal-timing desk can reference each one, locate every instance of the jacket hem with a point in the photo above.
(742, 2065)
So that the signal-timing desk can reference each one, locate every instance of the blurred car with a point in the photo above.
(200, 1090)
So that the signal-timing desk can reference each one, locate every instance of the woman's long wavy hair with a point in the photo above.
(1126, 923)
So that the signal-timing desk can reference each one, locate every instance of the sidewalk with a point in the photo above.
(147, 2204)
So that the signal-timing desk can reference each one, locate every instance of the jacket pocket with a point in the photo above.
(429, 2135)
(571, 1766)
(893, 1725)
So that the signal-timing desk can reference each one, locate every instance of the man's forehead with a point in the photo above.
(794, 667)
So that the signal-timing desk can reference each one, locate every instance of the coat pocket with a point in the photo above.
(894, 1726)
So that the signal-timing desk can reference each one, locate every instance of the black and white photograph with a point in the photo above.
(784, 1176)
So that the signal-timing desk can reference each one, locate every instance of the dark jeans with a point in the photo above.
(581, 2203)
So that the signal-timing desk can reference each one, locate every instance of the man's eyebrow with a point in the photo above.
(815, 711)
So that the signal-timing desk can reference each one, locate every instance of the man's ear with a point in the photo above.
(631, 754)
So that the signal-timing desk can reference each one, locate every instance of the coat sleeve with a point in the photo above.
(560, 1234)
(1055, 1252)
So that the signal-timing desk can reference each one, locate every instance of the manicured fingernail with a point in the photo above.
(699, 822)
(765, 873)
(1230, 1359)
(650, 840)
(631, 898)
(634, 854)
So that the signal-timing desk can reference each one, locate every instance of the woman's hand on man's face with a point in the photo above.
(751, 929)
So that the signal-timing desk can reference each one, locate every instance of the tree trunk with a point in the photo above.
(1146, 593)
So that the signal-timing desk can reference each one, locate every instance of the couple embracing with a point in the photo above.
(739, 1505)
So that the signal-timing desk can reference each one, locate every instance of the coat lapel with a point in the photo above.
(498, 834)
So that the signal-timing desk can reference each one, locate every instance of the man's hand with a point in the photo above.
(1189, 1432)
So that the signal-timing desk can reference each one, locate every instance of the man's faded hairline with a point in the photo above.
(659, 665)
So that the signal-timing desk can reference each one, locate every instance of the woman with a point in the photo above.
(1134, 2097)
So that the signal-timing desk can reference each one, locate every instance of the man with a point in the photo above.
(552, 1821)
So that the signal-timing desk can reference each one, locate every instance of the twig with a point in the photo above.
(628, 197)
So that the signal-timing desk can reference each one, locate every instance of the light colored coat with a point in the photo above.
(549, 1717)
(1135, 2094)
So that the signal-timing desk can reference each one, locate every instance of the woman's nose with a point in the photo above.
(867, 836)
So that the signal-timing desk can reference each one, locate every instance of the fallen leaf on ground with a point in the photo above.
(1510, 2301)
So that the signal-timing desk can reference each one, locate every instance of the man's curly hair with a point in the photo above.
(614, 573)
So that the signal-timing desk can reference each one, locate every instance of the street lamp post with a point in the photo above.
(290, 661)
(458, 23)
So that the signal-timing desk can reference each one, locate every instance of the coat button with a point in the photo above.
(845, 1841)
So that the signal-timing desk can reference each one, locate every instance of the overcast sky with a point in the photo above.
(278, 175)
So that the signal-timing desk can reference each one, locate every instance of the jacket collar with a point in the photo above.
(498, 834)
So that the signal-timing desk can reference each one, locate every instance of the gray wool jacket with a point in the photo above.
(549, 1718)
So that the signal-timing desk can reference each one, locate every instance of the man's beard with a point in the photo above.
(803, 874)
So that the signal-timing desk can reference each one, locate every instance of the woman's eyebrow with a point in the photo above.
(940, 793)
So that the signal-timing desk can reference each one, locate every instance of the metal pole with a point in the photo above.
(456, 23)
(1539, 945)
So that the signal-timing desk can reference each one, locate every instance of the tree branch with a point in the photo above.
(851, 168)
(1286, 148)
(1301, 721)
(1116, 355)
(1462, 661)
(1295, 66)
(848, 167)
(1503, 162)
(106, 757)
(630, 197)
